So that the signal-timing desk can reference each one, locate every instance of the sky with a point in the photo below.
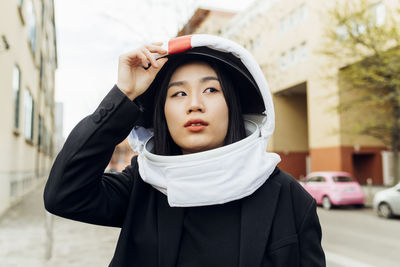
(91, 34)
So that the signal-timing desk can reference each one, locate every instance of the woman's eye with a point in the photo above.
(180, 93)
(211, 90)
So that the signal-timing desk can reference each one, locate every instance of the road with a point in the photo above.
(351, 237)
(358, 238)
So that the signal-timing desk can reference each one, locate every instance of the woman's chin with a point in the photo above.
(198, 148)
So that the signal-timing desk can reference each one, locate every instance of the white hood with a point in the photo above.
(227, 173)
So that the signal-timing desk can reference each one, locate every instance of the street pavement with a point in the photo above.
(23, 238)
(354, 237)
(351, 237)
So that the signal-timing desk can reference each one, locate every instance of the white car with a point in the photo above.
(387, 202)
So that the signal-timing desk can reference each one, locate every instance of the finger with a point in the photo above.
(132, 57)
(156, 49)
(150, 57)
(143, 58)
(161, 63)
(157, 43)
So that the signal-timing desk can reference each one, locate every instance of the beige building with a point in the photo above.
(207, 21)
(28, 60)
(284, 36)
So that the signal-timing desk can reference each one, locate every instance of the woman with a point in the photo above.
(203, 190)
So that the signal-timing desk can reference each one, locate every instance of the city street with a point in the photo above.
(351, 237)
(358, 238)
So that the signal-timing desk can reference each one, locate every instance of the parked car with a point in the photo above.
(334, 189)
(387, 202)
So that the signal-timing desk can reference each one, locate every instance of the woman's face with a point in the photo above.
(195, 108)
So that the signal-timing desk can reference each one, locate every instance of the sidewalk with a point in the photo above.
(75, 244)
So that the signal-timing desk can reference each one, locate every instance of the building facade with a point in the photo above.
(207, 21)
(28, 60)
(285, 37)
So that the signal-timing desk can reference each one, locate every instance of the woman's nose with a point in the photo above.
(195, 105)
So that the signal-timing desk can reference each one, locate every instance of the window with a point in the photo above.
(282, 25)
(342, 179)
(303, 51)
(257, 42)
(315, 179)
(49, 142)
(357, 28)
(41, 132)
(50, 145)
(31, 25)
(13, 188)
(294, 18)
(43, 14)
(302, 12)
(379, 14)
(29, 115)
(41, 71)
(46, 140)
(16, 84)
(292, 56)
(283, 61)
(342, 33)
(377, 18)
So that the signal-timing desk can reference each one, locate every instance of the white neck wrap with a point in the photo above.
(211, 177)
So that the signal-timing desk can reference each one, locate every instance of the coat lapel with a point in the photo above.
(170, 223)
(257, 216)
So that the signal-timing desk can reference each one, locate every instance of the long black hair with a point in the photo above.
(163, 142)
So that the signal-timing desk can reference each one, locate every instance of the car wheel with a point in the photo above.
(326, 203)
(384, 210)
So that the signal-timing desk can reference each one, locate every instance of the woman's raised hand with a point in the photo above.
(134, 73)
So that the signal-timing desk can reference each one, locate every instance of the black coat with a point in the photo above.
(279, 223)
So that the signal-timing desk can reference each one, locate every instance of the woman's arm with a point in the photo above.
(77, 187)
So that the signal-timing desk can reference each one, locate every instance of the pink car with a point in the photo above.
(334, 188)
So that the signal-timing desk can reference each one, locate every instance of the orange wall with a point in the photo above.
(363, 163)
(293, 163)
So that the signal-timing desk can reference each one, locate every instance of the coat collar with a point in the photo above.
(257, 216)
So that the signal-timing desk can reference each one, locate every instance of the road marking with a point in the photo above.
(344, 261)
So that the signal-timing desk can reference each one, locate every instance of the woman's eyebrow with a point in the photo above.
(202, 80)
(179, 83)
(208, 78)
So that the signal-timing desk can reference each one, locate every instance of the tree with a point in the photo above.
(365, 38)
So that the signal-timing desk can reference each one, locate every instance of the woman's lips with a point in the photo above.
(196, 128)
(196, 125)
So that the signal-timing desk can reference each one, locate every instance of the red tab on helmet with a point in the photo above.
(179, 44)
